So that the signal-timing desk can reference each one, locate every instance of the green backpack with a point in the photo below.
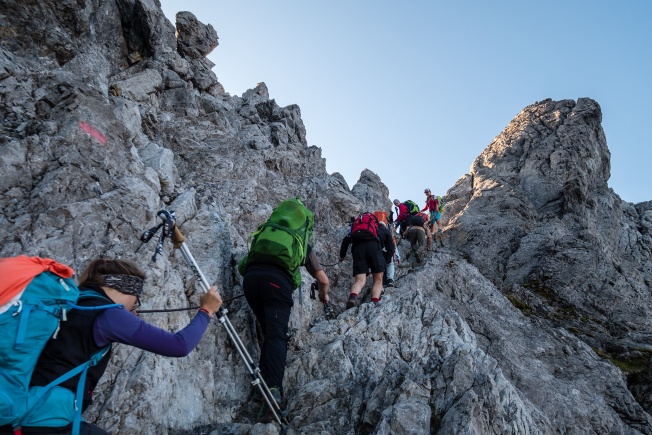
(282, 240)
(440, 200)
(412, 207)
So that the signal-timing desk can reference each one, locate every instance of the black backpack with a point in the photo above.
(416, 221)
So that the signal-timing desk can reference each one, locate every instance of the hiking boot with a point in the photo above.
(390, 283)
(265, 413)
(352, 302)
(258, 396)
(439, 231)
(276, 394)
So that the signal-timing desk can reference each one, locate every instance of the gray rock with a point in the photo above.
(139, 86)
(531, 318)
(194, 39)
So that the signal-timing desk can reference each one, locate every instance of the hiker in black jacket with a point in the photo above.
(389, 248)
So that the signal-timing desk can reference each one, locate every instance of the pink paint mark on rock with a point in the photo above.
(93, 132)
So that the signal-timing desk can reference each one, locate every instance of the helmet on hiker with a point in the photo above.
(427, 191)
(397, 202)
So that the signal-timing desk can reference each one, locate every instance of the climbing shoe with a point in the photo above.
(352, 302)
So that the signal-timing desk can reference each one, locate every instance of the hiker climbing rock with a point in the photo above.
(434, 206)
(271, 272)
(110, 291)
(388, 247)
(418, 234)
(405, 209)
(366, 250)
(401, 214)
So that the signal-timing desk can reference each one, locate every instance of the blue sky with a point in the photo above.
(415, 90)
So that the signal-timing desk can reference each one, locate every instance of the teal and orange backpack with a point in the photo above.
(35, 296)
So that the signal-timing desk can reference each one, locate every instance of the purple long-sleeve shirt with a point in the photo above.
(122, 326)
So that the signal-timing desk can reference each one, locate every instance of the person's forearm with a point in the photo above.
(124, 327)
(344, 247)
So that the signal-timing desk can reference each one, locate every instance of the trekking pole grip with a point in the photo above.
(177, 238)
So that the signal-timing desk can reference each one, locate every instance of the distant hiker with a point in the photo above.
(87, 333)
(388, 240)
(271, 272)
(405, 209)
(389, 248)
(396, 261)
(434, 206)
(418, 234)
(367, 254)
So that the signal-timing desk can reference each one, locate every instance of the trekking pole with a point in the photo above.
(178, 240)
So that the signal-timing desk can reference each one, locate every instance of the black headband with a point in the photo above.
(127, 284)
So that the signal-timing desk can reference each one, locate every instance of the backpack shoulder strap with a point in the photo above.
(88, 294)
(79, 395)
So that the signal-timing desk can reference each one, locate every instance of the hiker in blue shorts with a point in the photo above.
(432, 206)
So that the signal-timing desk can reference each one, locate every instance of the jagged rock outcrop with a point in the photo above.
(541, 222)
(108, 118)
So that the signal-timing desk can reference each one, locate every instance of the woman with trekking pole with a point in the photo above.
(89, 332)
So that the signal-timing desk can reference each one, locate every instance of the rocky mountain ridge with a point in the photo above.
(530, 317)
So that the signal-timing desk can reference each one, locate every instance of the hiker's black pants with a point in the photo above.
(269, 294)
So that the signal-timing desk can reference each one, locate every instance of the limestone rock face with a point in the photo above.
(559, 239)
(514, 325)
(372, 192)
